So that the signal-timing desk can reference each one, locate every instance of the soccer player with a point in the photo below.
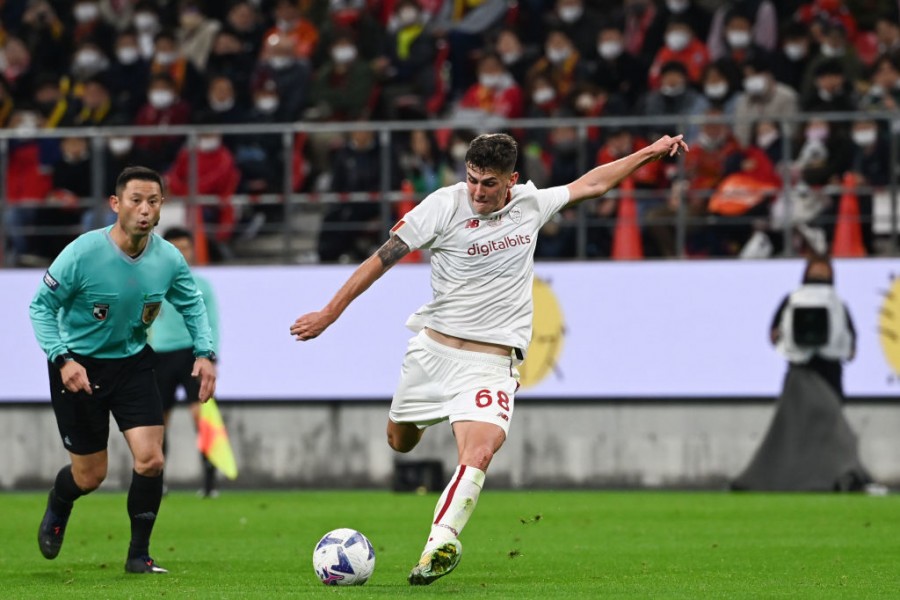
(471, 336)
(171, 340)
(90, 315)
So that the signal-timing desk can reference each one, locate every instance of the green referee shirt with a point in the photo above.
(169, 331)
(97, 301)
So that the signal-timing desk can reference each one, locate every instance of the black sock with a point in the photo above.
(64, 492)
(144, 498)
(209, 474)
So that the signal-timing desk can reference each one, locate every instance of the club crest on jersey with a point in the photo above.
(101, 311)
(150, 312)
(515, 214)
(472, 223)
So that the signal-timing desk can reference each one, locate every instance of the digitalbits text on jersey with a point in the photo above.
(497, 245)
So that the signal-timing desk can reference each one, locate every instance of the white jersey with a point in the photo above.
(482, 266)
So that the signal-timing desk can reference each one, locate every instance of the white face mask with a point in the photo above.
(677, 40)
(738, 38)
(119, 145)
(671, 91)
(557, 55)
(755, 85)
(543, 95)
(145, 21)
(817, 133)
(407, 16)
(88, 59)
(86, 12)
(585, 102)
(716, 91)
(764, 139)
(208, 144)
(127, 55)
(166, 58)
(509, 58)
(677, 7)
(221, 105)
(492, 80)
(864, 137)
(832, 51)
(610, 50)
(794, 51)
(279, 62)
(28, 123)
(458, 151)
(267, 104)
(343, 54)
(161, 98)
(570, 14)
(825, 95)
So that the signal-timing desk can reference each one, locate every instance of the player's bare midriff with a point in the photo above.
(470, 345)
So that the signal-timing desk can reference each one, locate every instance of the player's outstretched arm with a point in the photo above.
(313, 324)
(603, 178)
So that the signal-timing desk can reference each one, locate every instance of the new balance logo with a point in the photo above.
(472, 223)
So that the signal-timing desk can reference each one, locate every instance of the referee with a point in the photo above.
(90, 315)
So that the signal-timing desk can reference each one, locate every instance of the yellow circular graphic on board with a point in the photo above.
(889, 325)
(546, 338)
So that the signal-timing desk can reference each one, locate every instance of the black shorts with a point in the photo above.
(173, 370)
(125, 387)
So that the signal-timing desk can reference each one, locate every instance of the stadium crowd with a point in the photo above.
(746, 65)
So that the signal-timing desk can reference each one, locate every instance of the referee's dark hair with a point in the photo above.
(177, 233)
(141, 174)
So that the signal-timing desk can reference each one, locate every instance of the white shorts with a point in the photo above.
(439, 383)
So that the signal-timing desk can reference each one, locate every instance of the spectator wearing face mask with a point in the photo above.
(217, 175)
(578, 21)
(90, 25)
(147, 22)
(831, 91)
(167, 59)
(694, 13)
(674, 97)
(761, 13)
(128, 75)
(88, 61)
(739, 44)
(834, 49)
(496, 94)
(164, 107)
(292, 25)
(613, 68)
(353, 18)
(517, 56)
(196, 33)
(279, 62)
(561, 64)
(681, 46)
(719, 85)
(762, 98)
(222, 107)
(883, 92)
(794, 55)
(343, 87)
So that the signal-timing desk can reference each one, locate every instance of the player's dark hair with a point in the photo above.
(177, 233)
(140, 174)
(493, 152)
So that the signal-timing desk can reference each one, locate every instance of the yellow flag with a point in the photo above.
(212, 439)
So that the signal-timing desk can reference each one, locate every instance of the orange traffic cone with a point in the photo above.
(201, 246)
(627, 235)
(406, 204)
(847, 230)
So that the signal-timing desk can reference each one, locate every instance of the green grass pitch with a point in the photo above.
(518, 545)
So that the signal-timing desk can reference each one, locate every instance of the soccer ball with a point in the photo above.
(344, 557)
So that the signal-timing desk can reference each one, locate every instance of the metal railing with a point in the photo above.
(290, 202)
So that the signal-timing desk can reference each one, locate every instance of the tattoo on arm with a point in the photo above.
(393, 250)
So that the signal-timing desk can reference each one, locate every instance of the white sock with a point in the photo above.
(456, 505)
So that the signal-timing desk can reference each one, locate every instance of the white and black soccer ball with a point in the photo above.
(344, 557)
